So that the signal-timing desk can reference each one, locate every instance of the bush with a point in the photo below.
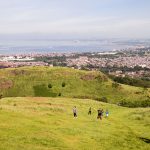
(102, 99)
(144, 103)
(63, 84)
(50, 86)
(139, 82)
(83, 97)
(1, 96)
(115, 85)
(59, 94)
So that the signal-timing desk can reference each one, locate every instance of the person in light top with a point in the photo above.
(107, 113)
(75, 111)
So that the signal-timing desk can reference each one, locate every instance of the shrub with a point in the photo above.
(1, 96)
(50, 86)
(63, 84)
(115, 85)
(144, 103)
(139, 82)
(59, 94)
(102, 99)
(137, 117)
(83, 97)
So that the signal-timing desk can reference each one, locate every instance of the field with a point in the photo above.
(36, 111)
(48, 124)
(48, 82)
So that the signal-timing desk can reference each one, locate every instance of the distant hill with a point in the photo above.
(67, 82)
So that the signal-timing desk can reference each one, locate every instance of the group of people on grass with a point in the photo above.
(99, 115)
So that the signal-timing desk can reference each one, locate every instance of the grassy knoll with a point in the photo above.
(34, 81)
(48, 124)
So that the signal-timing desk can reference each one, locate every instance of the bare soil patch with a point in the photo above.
(88, 77)
(5, 84)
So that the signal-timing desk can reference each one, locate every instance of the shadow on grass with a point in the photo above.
(43, 91)
(146, 140)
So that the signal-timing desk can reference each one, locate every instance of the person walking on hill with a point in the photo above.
(100, 114)
(90, 111)
(75, 111)
(107, 113)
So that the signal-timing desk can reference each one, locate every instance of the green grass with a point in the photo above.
(33, 81)
(48, 124)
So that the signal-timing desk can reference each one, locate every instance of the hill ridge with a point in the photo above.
(67, 82)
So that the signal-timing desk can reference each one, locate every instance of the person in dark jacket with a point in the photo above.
(100, 114)
(90, 111)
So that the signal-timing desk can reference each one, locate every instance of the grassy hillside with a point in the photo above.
(34, 81)
(48, 124)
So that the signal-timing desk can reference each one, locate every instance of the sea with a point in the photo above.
(64, 46)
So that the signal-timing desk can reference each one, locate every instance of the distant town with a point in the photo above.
(126, 62)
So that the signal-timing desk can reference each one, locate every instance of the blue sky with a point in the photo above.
(75, 18)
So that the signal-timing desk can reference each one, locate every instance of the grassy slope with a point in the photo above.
(48, 124)
(33, 81)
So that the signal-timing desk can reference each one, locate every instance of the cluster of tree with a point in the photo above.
(134, 104)
(132, 81)
(139, 51)
(55, 61)
(123, 69)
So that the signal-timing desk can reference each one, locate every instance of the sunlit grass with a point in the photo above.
(33, 81)
(48, 124)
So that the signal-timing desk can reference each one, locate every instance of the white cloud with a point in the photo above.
(76, 18)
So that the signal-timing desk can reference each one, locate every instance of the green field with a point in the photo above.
(48, 124)
(36, 111)
(34, 81)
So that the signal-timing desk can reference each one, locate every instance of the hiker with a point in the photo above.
(90, 111)
(75, 111)
(100, 114)
(107, 113)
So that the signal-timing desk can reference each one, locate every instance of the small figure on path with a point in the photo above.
(107, 113)
(75, 111)
(90, 111)
(100, 114)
